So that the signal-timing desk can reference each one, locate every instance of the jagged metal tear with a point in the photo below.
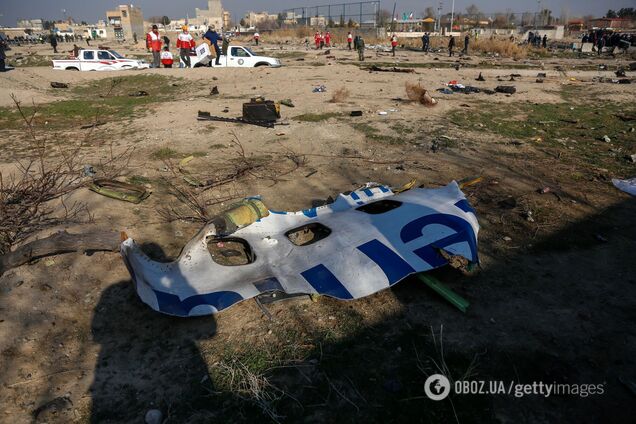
(364, 253)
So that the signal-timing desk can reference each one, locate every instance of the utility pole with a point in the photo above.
(438, 23)
(452, 15)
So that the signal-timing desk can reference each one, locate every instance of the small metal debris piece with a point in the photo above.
(119, 190)
(205, 116)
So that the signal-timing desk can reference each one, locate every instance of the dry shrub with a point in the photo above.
(417, 93)
(340, 95)
(504, 47)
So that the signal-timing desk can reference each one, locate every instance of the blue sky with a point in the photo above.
(91, 10)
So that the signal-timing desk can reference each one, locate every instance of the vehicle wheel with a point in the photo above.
(72, 68)
(258, 65)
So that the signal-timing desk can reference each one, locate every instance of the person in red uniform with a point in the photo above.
(328, 39)
(185, 43)
(317, 40)
(153, 43)
(166, 58)
(349, 39)
(394, 42)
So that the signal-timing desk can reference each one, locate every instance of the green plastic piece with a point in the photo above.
(442, 289)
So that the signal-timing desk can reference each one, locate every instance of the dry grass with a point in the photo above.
(505, 48)
(340, 95)
(417, 93)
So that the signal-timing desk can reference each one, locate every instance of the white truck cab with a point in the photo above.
(237, 56)
(99, 60)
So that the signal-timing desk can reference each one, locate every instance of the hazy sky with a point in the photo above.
(91, 10)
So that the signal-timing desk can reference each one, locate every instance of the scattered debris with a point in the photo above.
(356, 113)
(628, 186)
(311, 173)
(375, 68)
(287, 102)
(205, 116)
(319, 89)
(153, 416)
(544, 190)
(119, 190)
(620, 72)
(88, 171)
(93, 125)
(506, 89)
(606, 139)
(139, 93)
(445, 291)
(480, 78)
(59, 84)
(214, 91)
(417, 93)
(382, 113)
(260, 110)
(59, 243)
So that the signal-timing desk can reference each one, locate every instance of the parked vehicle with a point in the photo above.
(99, 60)
(238, 56)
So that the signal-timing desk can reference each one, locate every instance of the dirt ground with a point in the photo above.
(553, 300)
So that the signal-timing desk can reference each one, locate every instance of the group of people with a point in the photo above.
(603, 38)
(451, 45)
(537, 41)
(160, 46)
(322, 40)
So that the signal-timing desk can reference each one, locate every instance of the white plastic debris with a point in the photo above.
(628, 186)
(365, 241)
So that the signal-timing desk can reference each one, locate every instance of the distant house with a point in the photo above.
(614, 23)
(576, 25)
(125, 21)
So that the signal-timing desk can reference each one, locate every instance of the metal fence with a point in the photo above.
(364, 13)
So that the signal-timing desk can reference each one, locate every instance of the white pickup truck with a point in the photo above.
(237, 56)
(99, 60)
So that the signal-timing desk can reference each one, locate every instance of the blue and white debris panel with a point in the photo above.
(363, 242)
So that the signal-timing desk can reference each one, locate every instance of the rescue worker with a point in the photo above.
(545, 41)
(75, 51)
(328, 39)
(153, 43)
(394, 43)
(466, 41)
(54, 42)
(361, 48)
(257, 37)
(322, 40)
(317, 40)
(185, 43)
(166, 58)
(213, 37)
(226, 44)
(451, 45)
(135, 37)
(166, 41)
(427, 42)
(349, 40)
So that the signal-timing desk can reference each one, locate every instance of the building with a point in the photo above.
(227, 19)
(614, 23)
(125, 21)
(254, 19)
(213, 16)
(34, 24)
